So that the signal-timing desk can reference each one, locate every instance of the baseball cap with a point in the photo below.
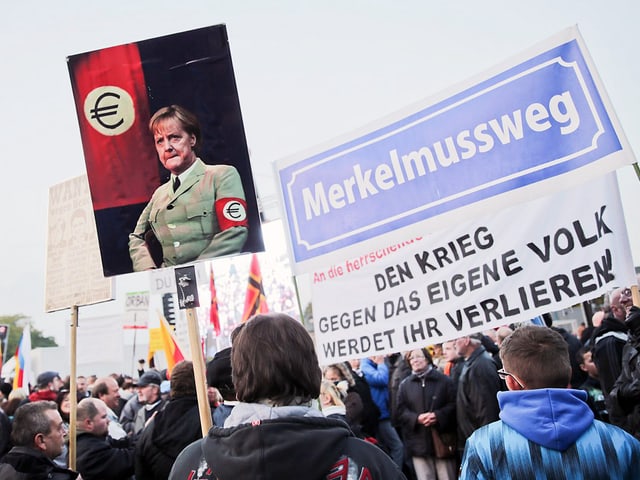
(45, 378)
(150, 377)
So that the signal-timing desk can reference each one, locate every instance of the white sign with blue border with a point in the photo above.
(533, 126)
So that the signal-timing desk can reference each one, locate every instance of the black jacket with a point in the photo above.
(607, 342)
(162, 440)
(103, 458)
(625, 395)
(22, 463)
(477, 396)
(314, 448)
(432, 392)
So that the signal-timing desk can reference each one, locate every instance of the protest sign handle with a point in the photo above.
(73, 388)
(198, 371)
(300, 308)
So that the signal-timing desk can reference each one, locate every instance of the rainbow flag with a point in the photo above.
(23, 360)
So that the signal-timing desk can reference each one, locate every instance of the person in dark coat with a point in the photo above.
(274, 432)
(38, 436)
(100, 457)
(172, 429)
(478, 386)
(427, 400)
(625, 395)
(219, 378)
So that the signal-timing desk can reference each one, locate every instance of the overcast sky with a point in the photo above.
(306, 72)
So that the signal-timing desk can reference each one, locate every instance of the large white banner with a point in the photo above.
(528, 259)
(534, 125)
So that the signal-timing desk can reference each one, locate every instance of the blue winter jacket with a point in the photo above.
(549, 433)
(377, 376)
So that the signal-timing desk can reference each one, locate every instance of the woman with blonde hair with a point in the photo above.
(331, 400)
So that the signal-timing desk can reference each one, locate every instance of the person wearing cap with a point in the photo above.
(172, 429)
(47, 386)
(478, 386)
(149, 397)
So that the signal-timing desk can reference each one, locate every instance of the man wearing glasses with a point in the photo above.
(546, 429)
(608, 341)
(476, 401)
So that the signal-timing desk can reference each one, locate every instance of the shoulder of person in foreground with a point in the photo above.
(497, 451)
(361, 457)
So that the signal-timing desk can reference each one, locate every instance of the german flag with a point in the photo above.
(214, 318)
(255, 301)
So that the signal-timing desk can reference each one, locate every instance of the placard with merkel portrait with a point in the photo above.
(165, 151)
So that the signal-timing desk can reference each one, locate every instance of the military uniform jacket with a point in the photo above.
(206, 217)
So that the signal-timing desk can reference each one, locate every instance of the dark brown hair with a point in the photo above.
(273, 358)
(183, 382)
(538, 356)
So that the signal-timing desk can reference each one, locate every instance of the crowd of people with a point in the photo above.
(522, 401)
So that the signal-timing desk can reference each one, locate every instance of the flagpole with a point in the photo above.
(300, 309)
(73, 388)
(198, 370)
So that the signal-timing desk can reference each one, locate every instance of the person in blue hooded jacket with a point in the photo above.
(545, 429)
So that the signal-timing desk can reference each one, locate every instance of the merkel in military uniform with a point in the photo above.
(200, 212)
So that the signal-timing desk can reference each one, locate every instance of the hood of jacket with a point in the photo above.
(552, 417)
(276, 442)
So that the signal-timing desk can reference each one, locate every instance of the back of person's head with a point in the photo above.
(183, 382)
(29, 420)
(219, 374)
(273, 359)
(87, 409)
(537, 356)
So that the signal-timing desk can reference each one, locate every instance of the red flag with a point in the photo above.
(213, 310)
(255, 301)
(113, 112)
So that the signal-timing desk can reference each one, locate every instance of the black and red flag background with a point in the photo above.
(192, 69)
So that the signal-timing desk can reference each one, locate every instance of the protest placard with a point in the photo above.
(495, 270)
(532, 126)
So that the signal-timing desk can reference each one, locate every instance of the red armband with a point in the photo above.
(231, 212)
